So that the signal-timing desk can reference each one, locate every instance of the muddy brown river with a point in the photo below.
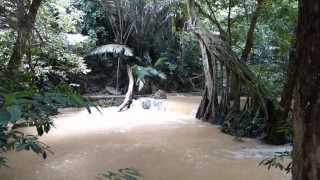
(162, 143)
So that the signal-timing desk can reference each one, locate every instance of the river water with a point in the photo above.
(162, 143)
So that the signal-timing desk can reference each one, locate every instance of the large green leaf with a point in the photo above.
(15, 113)
(117, 49)
(4, 117)
(143, 72)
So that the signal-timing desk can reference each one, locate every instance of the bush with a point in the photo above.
(244, 124)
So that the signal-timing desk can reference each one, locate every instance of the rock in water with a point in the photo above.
(146, 104)
(160, 94)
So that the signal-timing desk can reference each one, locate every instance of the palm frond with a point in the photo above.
(117, 49)
(141, 73)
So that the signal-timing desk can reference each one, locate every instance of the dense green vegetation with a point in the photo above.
(241, 55)
(32, 92)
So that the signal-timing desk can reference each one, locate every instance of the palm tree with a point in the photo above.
(138, 21)
(137, 71)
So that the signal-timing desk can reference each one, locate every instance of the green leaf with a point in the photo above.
(161, 61)
(4, 117)
(15, 113)
(143, 72)
(8, 99)
(40, 130)
(35, 148)
(3, 162)
(21, 147)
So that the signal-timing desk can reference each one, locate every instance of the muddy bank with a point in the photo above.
(163, 144)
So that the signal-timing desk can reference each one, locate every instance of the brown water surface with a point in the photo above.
(166, 144)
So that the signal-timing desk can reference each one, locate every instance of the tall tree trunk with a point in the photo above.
(306, 123)
(26, 21)
(18, 50)
(235, 92)
(227, 91)
(287, 93)
(250, 33)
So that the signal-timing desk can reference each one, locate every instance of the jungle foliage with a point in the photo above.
(36, 73)
(154, 30)
(236, 41)
(68, 48)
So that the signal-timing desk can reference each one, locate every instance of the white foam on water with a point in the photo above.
(259, 152)
(110, 120)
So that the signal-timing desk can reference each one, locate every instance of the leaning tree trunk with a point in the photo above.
(306, 123)
(130, 92)
(206, 110)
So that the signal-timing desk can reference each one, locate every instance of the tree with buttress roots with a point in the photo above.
(216, 49)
